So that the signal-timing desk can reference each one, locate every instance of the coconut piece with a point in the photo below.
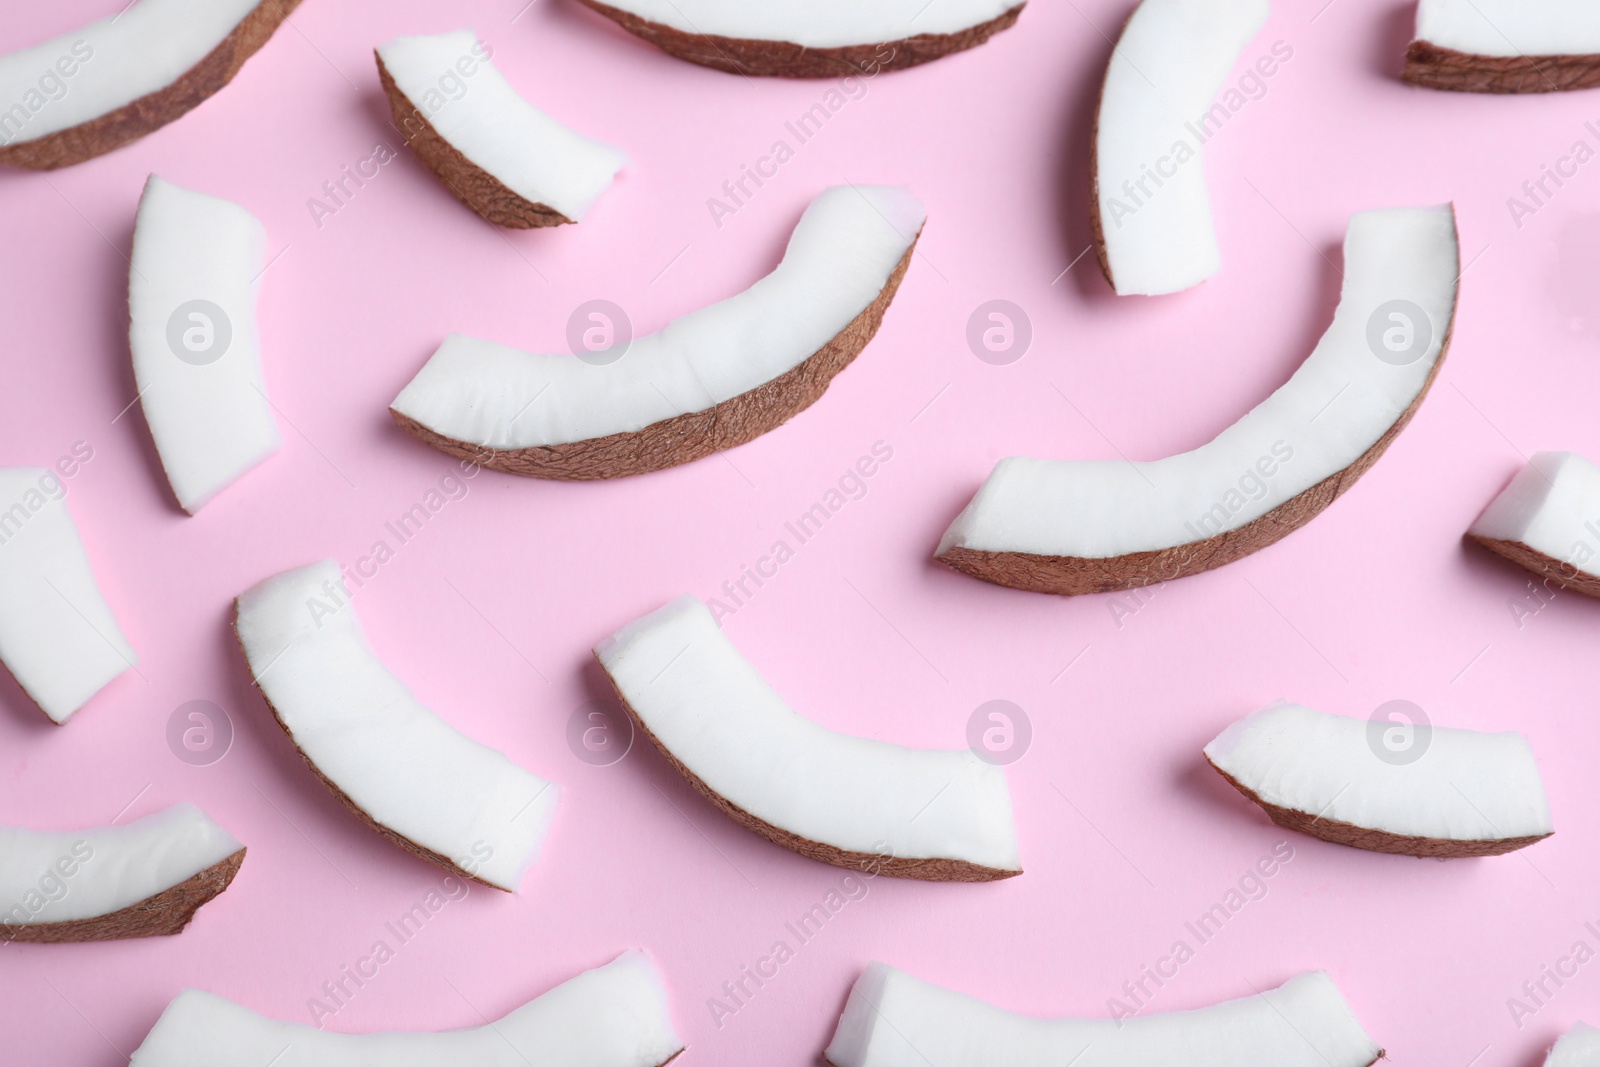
(1449, 793)
(1548, 520)
(1505, 46)
(500, 155)
(853, 802)
(1152, 212)
(1092, 526)
(57, 634)
(196, 355)
(820, 39)
(611, 1016)
(84, 93)
(146, 879)
(713, 379)
(399, 767)
(1578, 1047)
(895, 1020)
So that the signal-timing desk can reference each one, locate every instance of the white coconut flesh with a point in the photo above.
(361, 728)
(1553, 507)
(518, 145)
(820, 23)
(895, 1020)
(840, 256)
(1400, 271)
(61, 876)
(1578, 1047)
(57, 634)
(1510, 28)
(196, 357)
(707, 706)
(612, 1016)
(1150, 181)
(114, 62)
(1464, 785)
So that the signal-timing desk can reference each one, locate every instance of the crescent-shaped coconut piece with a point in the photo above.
(713, 379)
(894, 1020)
(394, 763)
(84, 93)
(612, 1016)
(500, 155)
(192, 331)
(818, 39)
(1505, 46)
(1578, 1047)
(57, 634)
(145, 879)
(942, 816)
(1548, 520)
(1092, 526)
(1451, 792)
(1152, 211)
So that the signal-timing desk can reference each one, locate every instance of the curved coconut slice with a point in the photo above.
(1505, 46)
(113, 81)
(820, 39)
(1092, 526)
(146, 879)
(1548, 520)
(716, 378)
(911, 813)
(1459, 792)
(409, 775)
(1578, 1047)
(612, 1016)
(894, 1020)
(196, 357)
(57, 634)
(500, 155)
(1152, 213)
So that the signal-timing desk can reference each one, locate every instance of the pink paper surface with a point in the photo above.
(490, 612)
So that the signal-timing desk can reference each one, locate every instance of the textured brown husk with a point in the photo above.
(471, 184)
(154, 110)
(1072, 575)
(927, 870)
(1343, 833)
(1095, 222)
(687, 437)
(1562, 573)
(1433, 67)
(784, 59)
(344, 798)
(161, 915)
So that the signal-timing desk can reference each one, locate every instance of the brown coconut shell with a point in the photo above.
(1095, 222)
(421, 852)
(1432, 67)
(1554, 570)
(784, 59)
(1365, 837)
(161, 915)
(693, 435)
(926, 870)
(1072, 575)
(471, 184)
(154, 110)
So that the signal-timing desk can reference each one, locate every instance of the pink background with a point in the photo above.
(1125, 834)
